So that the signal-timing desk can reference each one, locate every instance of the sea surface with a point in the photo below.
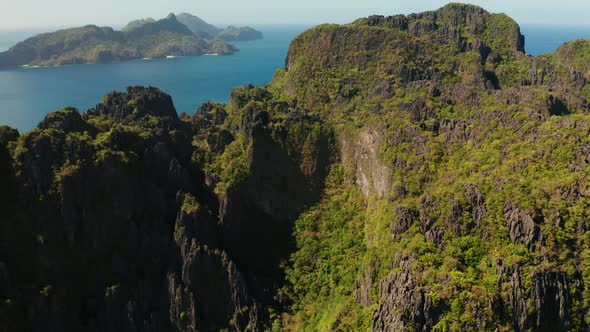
(542, 39)
(27, 95)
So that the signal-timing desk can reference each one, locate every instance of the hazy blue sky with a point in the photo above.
(53, 13)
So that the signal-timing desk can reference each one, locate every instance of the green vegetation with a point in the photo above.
(232, 166)
(323, 271)
(46, 291)
(190, 205)
(575, 54)
(469, 168)
(137, 24)
(197, 25)
(231, 33)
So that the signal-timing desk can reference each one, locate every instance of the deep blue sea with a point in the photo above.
(27, 95)
(541, 39)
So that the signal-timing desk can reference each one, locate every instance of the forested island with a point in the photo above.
(181, 35)
(401, 173)
(230, 33)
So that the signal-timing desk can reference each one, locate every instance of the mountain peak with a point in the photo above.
(457, 22)
(137, 23)
(197, 25)
(459, 6)
(136, 104)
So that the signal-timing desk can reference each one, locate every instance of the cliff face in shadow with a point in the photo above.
(114, 220)
(402, 173)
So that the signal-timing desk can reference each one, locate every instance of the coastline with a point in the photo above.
(166, 57)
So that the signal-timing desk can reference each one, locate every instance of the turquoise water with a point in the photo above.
(27, 95)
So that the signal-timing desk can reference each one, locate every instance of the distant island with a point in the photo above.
(182, 35)
(205, 30)
(231, 33)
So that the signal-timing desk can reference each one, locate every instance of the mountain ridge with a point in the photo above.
(230, 33)
(208, 31)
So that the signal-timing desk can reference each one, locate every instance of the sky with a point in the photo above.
(25, 14)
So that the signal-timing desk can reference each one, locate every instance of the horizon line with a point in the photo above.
(293, 24)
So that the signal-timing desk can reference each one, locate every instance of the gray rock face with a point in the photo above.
(552, 295)
(404, 218)
(371, 175)
(363, 286)
(517, 296)
(477, 202)
(210, 291)
(135, 105)
(128, 239)
(280, 185)
(403, 305)
(522, 227)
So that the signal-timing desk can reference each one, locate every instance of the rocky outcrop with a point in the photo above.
(287, 163)
(68, 119)
(450, 130)
(404, 305)
(552, 295)
(136, 105)
(364, 285)
(209, 292)
(118, 230)
(477, 203)
(123, 227)
(522, 227)
(403, 220)
(516, 298)
(361, 151)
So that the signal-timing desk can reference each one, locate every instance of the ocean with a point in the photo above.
(27, 95)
